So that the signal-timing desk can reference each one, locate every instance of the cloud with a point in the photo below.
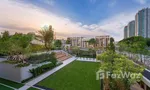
(141, 1)
(20, 17)
(90, 27)
(114, 25)
(112, 3)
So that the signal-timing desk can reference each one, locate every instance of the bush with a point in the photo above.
(42, 58)
(87, 54)
(22, 65)
(11, 61)
(39, 70)
(53, 58)
(39, 58)
(36, 48)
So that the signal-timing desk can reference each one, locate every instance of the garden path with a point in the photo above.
(41, 77)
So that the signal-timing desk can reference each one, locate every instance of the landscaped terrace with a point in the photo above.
(75, 76)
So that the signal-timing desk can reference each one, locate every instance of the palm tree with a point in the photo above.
(46, 34)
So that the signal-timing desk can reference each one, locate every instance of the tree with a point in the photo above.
(5, 35)
(68, 41)
(47, 35)
(134, 45)
(148, 42)
(92, 52)
(92, 41)
(76, 50)
(120, 65)
(111, 46)
(58, 43)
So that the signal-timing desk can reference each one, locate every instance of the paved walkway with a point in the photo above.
(41, 77)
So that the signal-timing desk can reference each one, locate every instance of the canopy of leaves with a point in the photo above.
(58, 43)
(148, 42)
(111, 46)
(68, 41)
(46, 34)
(120, 64)
(135, 44)
(14, 44)
(92, 41)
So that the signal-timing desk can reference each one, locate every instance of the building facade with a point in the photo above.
(131, 28)
(142, 23)
(82, 42)
(102, 41)
(76, 41)
(126, 32)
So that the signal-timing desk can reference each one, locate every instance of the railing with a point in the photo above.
(137, 58)
(87, 59)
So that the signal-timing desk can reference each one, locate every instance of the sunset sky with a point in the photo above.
(87, 18)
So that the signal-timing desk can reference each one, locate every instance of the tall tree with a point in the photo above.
(5, 35)
(120, 66)
(58, 43)
(111, 46)
(68, 41)
(47, 35)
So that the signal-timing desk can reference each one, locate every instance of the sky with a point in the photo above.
(70, 18)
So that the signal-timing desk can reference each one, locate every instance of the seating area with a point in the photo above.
(61, 56)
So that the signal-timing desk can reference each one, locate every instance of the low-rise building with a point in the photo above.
(83, 42)
(102, 41)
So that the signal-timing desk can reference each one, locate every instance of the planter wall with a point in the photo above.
(10, 72)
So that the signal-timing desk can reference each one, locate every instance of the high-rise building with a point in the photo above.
(131, 29)
(142, 23)
(126, 32)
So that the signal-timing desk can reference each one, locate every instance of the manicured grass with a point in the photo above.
(10, 83)
(75, 76)
(32, 88)
(4, 88)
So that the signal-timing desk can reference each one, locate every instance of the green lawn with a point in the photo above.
(10, 83)
(75, 76)
(32, 88)
(4, 88)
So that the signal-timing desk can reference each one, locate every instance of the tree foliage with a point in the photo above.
(58, 43)
(68, 41)
(111, 46)
(136, 45)
(46, 34)
(119, 64)
(14, 44)
(92, 41)
(148, 42)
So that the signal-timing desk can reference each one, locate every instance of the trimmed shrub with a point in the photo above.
(11, 61)
(39, 70)
(34, 59)
(22, 65)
